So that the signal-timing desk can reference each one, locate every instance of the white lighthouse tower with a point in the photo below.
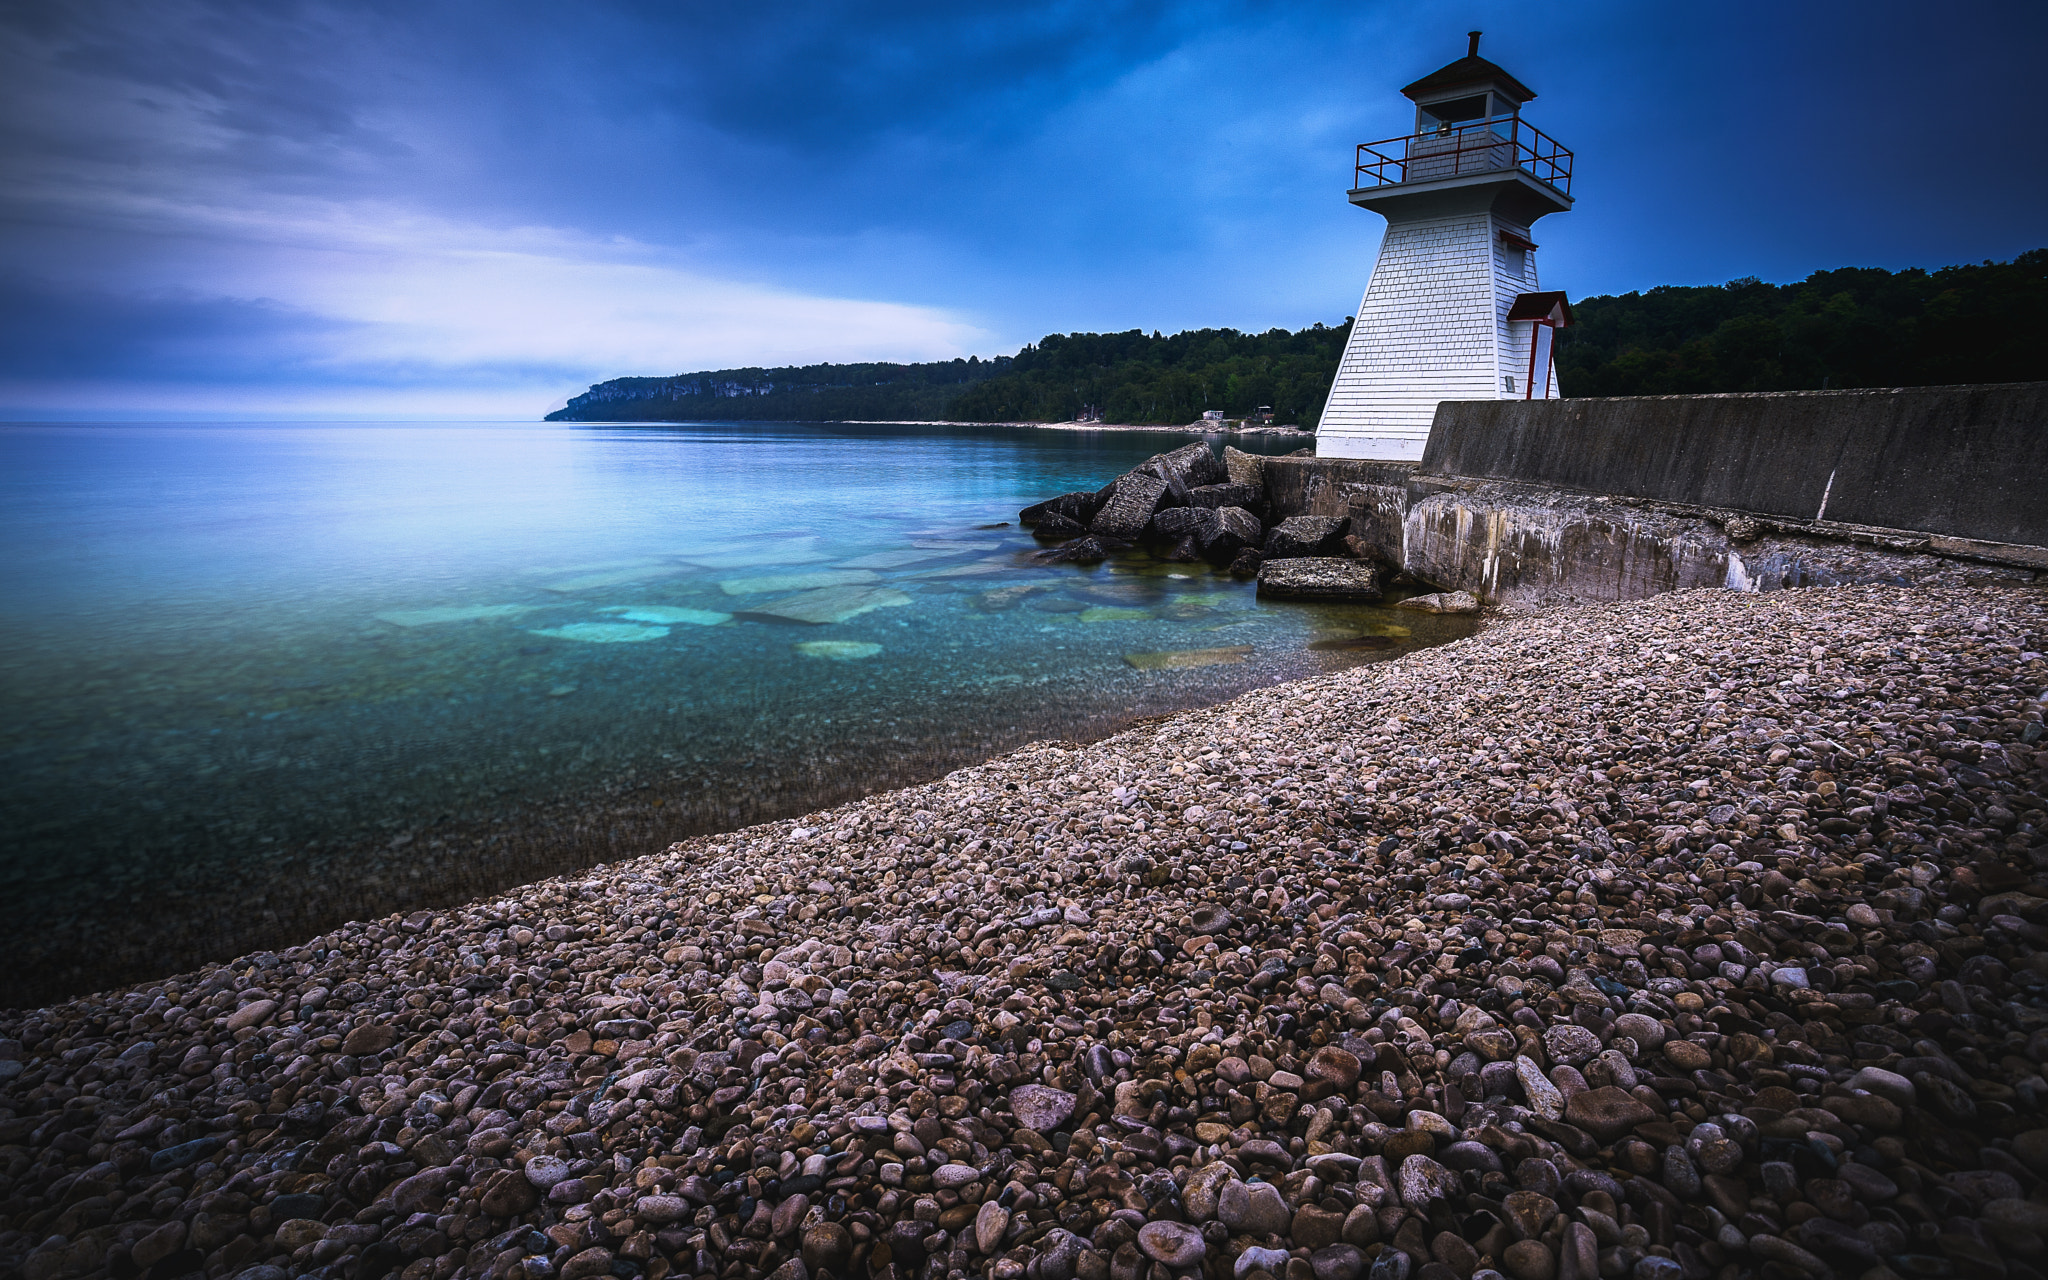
(1452, 311)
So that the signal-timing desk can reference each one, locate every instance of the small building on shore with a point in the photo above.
(1453, 310)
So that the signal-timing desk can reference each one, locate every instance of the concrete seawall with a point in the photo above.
(1533, 502)
(1965, 461)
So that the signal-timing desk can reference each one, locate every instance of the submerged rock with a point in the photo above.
(668, 616)
(797, 581)
(453, 613)
(1179, 659)
(1093, 549)
(602, 632)
(827, 605)
(837, 650)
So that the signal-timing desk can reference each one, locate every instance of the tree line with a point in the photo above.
(1852, 327)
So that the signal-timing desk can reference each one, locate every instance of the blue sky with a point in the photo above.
(417, 206)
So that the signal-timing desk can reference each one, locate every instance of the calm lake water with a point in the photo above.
(261, 679)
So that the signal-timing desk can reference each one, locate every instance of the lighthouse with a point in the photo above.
(1453, 310)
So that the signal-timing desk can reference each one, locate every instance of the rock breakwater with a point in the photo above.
(1701, 936)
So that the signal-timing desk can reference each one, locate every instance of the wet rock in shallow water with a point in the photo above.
(1319, 578)
(837, 650)
(1180, 659)
(1093, 549)
(1003, 599)
(1078, 508)
(1110, 613)
(826, 605)
(1441, 602)
(666, 615)
(601, 632)
(1129, 508)
(1054, 527)
(1246, 564)
(798, 582)
(1305, 537)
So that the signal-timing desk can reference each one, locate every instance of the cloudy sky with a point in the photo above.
(445, 207)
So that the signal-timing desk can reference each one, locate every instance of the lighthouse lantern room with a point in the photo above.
(1452, 311)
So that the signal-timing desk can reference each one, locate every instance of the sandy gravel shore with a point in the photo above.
(1700, 937)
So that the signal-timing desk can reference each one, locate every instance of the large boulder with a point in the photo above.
(1093, 549)
(1132, 501)
(1299, 536)
(1051, 526)
(1244, 468)
(1188, 467)
(1319, 578)
(1079, 507)
(1226, 495)
(1173, 524)
(1231, 531)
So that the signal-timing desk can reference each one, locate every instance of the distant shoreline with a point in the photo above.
(1179, 429)
(1185, 428)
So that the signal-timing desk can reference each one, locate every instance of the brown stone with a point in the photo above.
(370, 1037)
(1530, 1260)
(1607, 1112)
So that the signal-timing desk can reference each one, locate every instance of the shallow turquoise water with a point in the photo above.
(259, 679)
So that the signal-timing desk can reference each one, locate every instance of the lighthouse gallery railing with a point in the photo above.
(1470, 146)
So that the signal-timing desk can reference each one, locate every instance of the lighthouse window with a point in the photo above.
(1457, 109)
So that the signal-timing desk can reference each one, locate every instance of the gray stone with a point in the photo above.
(1571, 1045)
(1176, 1244)
(1319, 578)
(1305, 536)
(1260, 1258)
(1645, 1030)
(1441, 602)
(1129, 508)
(1885, 1084)
(1421, 1180)
(1041, 1107)
(1544, 1098)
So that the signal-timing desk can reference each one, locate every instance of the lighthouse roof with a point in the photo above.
(1466, 72)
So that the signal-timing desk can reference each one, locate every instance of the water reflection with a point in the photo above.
(260, 680)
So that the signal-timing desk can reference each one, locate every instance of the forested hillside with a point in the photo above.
(811, 393)
(1853, 327)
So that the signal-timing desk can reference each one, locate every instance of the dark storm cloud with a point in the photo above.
(54, 331)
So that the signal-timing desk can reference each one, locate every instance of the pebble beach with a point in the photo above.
(1703, 936)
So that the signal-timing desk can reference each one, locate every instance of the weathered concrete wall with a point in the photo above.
(1970, 461)
(1532, 544)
